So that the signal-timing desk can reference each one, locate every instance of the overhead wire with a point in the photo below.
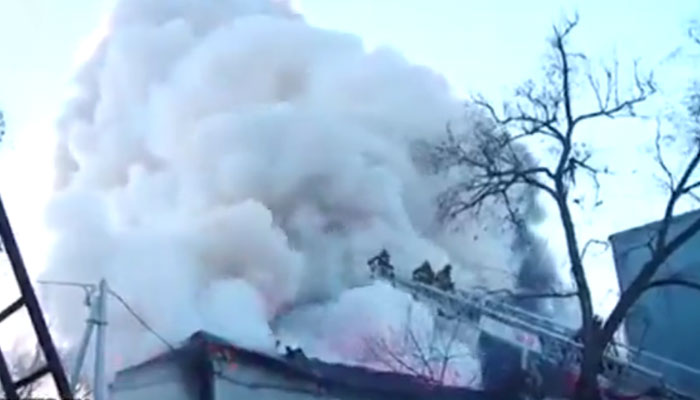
(90, 288)
(141, 321)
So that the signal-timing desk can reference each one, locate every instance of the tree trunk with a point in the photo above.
(587, 385)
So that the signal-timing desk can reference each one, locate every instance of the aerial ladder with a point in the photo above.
(28, 300)
(540, 337)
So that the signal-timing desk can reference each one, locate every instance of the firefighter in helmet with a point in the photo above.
(424, 274)
(443, 279)
(381, 264)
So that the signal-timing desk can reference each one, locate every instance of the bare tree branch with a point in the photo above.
(565, 70)
(675, 195)
(694, 36)
(446, 355)
(24, 363)
(379, 349)
(660, 158)
(546, 126)
(590, 242)
(691, 187)
(500, 169)
(421, 354)
(661, 252)
(427, 358)
(645, 87)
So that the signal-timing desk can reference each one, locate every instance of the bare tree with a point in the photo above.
(25, 361)
(495, 152)
(431, 357)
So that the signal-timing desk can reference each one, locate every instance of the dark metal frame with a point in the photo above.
(29, 300)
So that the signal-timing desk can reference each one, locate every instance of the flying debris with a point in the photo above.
(424, 274)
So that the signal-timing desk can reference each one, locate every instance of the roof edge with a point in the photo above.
(674, 219)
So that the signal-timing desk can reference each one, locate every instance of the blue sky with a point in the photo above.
(42, 42)
(486, 47)
(490, 46)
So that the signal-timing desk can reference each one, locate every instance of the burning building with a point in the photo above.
(207, 367)
(227, 167)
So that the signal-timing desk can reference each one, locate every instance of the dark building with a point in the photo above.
(207, 367)
(666, 320)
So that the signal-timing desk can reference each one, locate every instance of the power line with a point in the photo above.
(89, 288)
(141, 320)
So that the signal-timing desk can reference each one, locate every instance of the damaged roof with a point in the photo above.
(202, 350)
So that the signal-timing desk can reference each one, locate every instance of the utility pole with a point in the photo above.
(96, 299)
(97, 318)
(85, 341)
(100, 388)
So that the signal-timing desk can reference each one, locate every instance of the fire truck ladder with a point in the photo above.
(29, 300)
(554, 342)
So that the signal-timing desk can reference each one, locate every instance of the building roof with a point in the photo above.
(677, 219)
(326, 375)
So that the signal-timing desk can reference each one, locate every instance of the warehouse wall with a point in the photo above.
(666, 321)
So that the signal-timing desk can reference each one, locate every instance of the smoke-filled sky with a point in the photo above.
(208, 163)
(228, 165)
(480, 47)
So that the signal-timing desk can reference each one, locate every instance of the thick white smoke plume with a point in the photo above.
(226, 165)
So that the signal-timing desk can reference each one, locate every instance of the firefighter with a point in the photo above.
(381, 264)
(424, 274)
(293, 353)
(443, 279)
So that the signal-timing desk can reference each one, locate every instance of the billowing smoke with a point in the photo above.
(226, 165)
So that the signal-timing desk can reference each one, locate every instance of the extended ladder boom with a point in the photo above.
(546, 338)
